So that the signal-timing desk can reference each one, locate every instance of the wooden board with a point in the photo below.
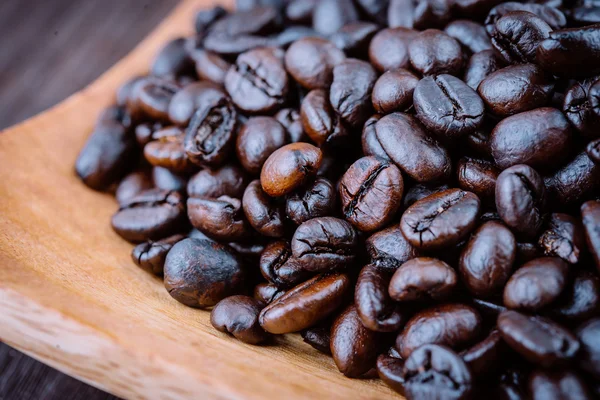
(71, 297)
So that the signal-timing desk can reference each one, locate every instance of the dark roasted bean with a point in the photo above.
(267, 292)
(422, 278)
(210, 66)
(191, 98)
(256, 20)
(279, 267)
(132, 185)
(389, 369)
(581, 300)
(221, 218)
(319, 337)
(590, 213)
(483, 358)
(331, 15)
(433, 52)
(552, 16)
(262, 211)
(231, 46)
(470, 34)
(354, 38)
(478, 176)
(587, 13)
(151, 255)
(389, 48)
(557, 385)
(172, 61)
(319, 120)
(574, 181)
(166, 180)
(154, 98)
(563, 237)
(580, 108)
(393, 91)
(389, 246)
(300, 11)
(315, 200)
(370, 143)
(258, 138)
(480, 66)
(420, 191)
(166, 149)
(589, 337)
(205, 18)
(291, 121)
(238, 316)
(419, 14)
(310, 62)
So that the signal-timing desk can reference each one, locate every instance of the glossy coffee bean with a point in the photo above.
(487, 261)
(571, 52)
(422, 278)
(536, 284)
(221, 218)
(580, 300)
(200, 273)
(350, 91)
(469, 34)
(233, 46)
(310, 62)
(478, 176)
(291, 121)
(306, 304)
(258, 138)
(576, 180)
(238, 316)
(262, 211)
(452, 325)
(440, 220)
(578, 107)
(593, 151)
(515, 89)
(188, 100)
(317, 199)
(554, 385)
(389, 48)
(521, 200)
(539, 340)
(319, 120)
(331, 15)
(247, 20)
(325, 243)
(432, 52)
(164, 179)
(390, 247)
(132, 185)
(411, 148)
(145, 131)
(207, 17)
(373, 304)
(531, 138)
(419, 14)
(563, 237)
(151, 215)
(393, 91)
(517, 35)
(279, 267)
(480, 66)
(369, 142)
(258, 82)
(447, 106)
(151, 255)
(172, 60)
(589, 337)
(154, 98)
(482, 358)
(590, 215)
(354, 38)
(210, 66)
(436, 372)
(166, 150)
(354, 347)
(289, 168)
(420, 191)
(319, 337)
(300, 11)
(228, 180)
(210, 136)
(389, 369)
(267, 292)
(371, 193)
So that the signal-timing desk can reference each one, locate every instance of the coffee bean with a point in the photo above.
(221, 218)
(238, 316)
(369, 142)
(210, 66)
(432, 52)
(151, 255)
(172, 61)
(132, 185)
(419, 14)
(422, 278)
(469, 34)
(319, 120)
(164, 179)
(310, 62)
(440, 220)
(166, 150)
(289, 167)
(517, 35)
(145, 131)
(420, 191)
(331, 15)
(576, 180)
(393, 91)
(589, 337)
(389, 48)
(487, 261)
(255, 20)
(306, 304)
(521, 200)
(436, 372)
(188, 100)
(480, 66)
(267, 292)
(587, 13)
(551, 15)
(233, 46)
(563, 238)
(453, 325)
(580, 301)
(257, 140)
(315, 200)
(262, 211)
(550, 385)
(228, 180)
(200, 273)
(389, 370)
(279, 267)
(537, 339)
(483, 358)
(300, 11)
(389, 246)
(447, 106)
(578, 107)
(206, 18)
(291, 121)
(154, 98)
(590, 213)
(318, 337)
(489, 309)
(354, 38)
(371, 193)
(478, 176)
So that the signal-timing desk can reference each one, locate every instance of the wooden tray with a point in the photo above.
(71, 297)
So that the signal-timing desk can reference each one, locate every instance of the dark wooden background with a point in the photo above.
(50, 49)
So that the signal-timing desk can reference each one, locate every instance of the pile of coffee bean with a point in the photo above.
(413, 185)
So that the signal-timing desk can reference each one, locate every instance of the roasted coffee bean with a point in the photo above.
(354, 347)
(420, 191)
(330, 15)
(255, 20)
(315, 200)
(517, 35)
(125, 91)
(515, 89)
(232, 46)
(164, 179)
(267, 292)
(210, 136)
(574, 181)
(521, 200)
(419, 14)
(354, 38)
(306, 304)
(132, 185)
(291, 121)
(319, 120)
(310, 62)
(318, 337)
(369, 142)
(300, 11)
(166, 149)
(551, 15)
(489, 309)
(257, 140)
(238, 316)
(571, 52)
(469, 34)
(539, 340)
(151, 215)
(325, 243)
(487, 261)
(422, 278)
(482, 358)
(389, 369)
(580, 300)
(289, 168)
(436, 372)
(373, 304)
(452, 325)
(480, 66)
(536, 284)
(589, 337)
(590, 213)
(221, 218)
(555, 385)
(512, 383)
(432, 52)
(389, 48)
(389, 246)
(154, 98)
(393, 91)
(531, 138)
(593, 151)
(200, 273)
(262, 211)
(350, 91)
(563, 238)
(206, 18)
(371, 193)
(578, 109)
(279, 267)
(188, 100)
(411, 148)
(440, 220)
(229, 180)
(587, 13)
(478, 176)
(151, 255)
(375, 10)
(210, 66)
(258, 82)
(173, 61)
(447, 106)
(249, 251)
(145, 131)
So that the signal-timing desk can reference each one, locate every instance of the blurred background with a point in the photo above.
(49, 50)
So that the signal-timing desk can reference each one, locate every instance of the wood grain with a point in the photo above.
(71, 297)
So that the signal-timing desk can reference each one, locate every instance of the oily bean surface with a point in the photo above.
(422, 278)
(151, 255)
(238, 316)
(220, 219)
(433, 52)
(257, 140)
(262, 211)
(393, 91)
(590, 212)
(317, 199)
(389, 246)
(563, 237)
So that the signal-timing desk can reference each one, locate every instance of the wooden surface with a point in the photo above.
(71, 297)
